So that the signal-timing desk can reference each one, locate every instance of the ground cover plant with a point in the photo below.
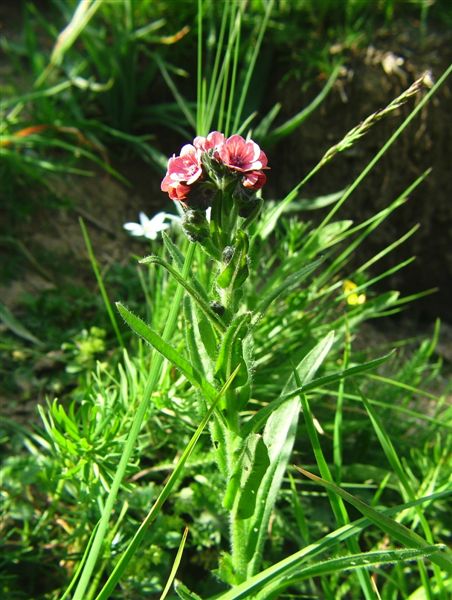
(243, 443)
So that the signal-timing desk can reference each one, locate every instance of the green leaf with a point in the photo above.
(241, 491)
(262, 129)
(15, 326)
(339, 375)
(175, 565)
(278, 436)
(166, 350)
(399, 532)
(184, 593)
(230, 355)
(214, 319)
(306, 371)
(255, 465)
(137, 539)
(287, 285)
(190, 336)
(290, 565)
(315, 203)
(294, 122)
(328, 235)
(173, 250)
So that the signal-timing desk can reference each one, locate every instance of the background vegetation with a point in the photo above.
(93, 101)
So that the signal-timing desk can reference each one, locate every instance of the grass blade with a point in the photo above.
(175, 565)
(399, 532)
(100, 283)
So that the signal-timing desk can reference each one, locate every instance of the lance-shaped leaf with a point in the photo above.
(197, 297)
(174, 357)
(287, 285)
(231, 351)
(241, 491)
(326, 567)
(306, 370)
(339, 375)
(279, 436)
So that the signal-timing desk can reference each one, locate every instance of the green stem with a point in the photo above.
(100, 283)
(156, 364)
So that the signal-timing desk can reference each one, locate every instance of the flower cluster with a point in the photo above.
(216, 160)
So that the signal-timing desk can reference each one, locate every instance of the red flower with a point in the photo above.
(176, 190)
(239, 155)
(254, 180)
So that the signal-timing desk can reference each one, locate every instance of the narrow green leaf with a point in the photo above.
(166, 350)
(173, 250)
(184, 593)
(230, 355)
(401, 533)
(339, 375)
(306, 371)
(175, 565)
(287, 285)
(279, 437)
(357, 561)
(100, 283)
(200, 301)
(293, 123)
(16, 326)
(290, 565)
(241, 491)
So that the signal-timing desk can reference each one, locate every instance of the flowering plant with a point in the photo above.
(247, 362)
(224, 174)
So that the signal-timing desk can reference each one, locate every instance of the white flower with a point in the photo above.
(149, 228)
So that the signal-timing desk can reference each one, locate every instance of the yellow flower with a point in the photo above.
(352, 297)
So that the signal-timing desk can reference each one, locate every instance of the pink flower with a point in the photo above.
(214, 140)
(239, 155)
(254, 180)
(182, 172)
(187, 166)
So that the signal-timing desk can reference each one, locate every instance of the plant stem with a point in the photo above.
(156, 364)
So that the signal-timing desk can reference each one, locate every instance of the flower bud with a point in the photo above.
(196, 226)
(227, 255)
